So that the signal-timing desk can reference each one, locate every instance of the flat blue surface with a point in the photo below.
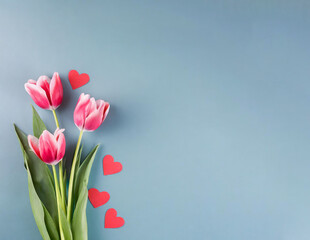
(210, 113)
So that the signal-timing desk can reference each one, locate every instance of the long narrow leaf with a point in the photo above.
(41, 176)
(37, 209)
(38, 124)
(78, 162)
(50, 225)
(79, 221)
(83, 172)
(43, 220)
(65, 184)
(65, 226)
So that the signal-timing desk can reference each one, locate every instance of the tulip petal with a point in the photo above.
(38, 95)
(103, 107)
(32, 81)
(34, 145)
(99, 103)
(44, 83)
(93, 121)
(48, 147)
(55, 162)
(91, 106)
(51, 139)
(56, 91)
(61, 144)
(106, 110)
(80, 111)
(58, 132)
(97, 116)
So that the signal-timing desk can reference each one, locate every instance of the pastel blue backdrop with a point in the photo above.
(210, 113)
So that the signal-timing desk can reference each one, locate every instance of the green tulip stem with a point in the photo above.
(61, 175)
(58, 202)
(69, 212)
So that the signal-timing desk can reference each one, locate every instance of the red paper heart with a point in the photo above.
(97, 198)
(111, 167)
(77, 80)
(111, 219)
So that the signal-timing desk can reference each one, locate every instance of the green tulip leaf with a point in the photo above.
(37, 209)
(79, 221)
(83, 172)
(50, 225)
(38, 124)
(41, 176)
(65, 183)
(65, 225)
(78, 162)
(44, 221)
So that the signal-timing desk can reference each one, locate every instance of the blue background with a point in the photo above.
(209, 115)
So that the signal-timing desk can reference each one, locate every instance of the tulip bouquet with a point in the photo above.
(59, 209)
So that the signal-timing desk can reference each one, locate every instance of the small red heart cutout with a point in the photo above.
(97, 198)
(111, 167)
(111, 219)
(77, 80)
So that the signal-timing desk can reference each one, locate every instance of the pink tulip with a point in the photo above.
(89, 113)
(49, 148)
(46, 93)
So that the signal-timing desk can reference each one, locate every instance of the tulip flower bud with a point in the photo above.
(46, 93)
(50, 148)
(89, 114)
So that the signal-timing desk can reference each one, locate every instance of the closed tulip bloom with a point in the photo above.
(46, 93)
(50, 148)
(89, 114)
